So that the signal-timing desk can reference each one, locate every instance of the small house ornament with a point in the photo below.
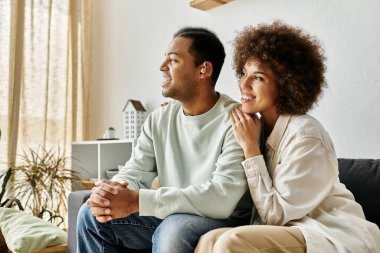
(134, 116)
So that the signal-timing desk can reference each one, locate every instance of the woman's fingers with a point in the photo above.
(234, 118)
(240, 115)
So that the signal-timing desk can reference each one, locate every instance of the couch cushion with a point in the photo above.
(362, 178)
(25, 233)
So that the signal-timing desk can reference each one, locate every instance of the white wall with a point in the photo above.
(131, 36)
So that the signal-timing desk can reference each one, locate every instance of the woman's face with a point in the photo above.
(258, 89)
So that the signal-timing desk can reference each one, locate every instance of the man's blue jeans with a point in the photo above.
(178, 233)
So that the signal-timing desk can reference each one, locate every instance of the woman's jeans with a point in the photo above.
(178, 233)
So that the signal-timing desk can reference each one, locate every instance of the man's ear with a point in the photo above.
(205, 69)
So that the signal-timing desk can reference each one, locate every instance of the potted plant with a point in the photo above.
(41, 182)
(10, 201)
(110, 133)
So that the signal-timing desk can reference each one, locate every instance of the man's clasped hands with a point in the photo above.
(105, 200)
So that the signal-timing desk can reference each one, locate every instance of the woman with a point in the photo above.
(293, 175)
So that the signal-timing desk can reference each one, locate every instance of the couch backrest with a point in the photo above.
(362, 178)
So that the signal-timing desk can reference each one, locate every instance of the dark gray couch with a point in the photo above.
(361, 177)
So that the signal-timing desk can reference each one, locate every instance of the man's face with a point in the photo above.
(179, 71)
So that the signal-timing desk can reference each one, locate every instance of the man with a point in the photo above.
(189, 145)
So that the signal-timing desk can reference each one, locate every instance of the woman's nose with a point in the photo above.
(244, 84)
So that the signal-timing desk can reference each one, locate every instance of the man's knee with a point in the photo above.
(85, 217)
(176, 232)
(171, 228)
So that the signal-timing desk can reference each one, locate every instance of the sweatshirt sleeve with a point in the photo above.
(298, 184)
(217, 198)
(140, 170)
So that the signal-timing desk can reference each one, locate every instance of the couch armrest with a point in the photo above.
(75, 201)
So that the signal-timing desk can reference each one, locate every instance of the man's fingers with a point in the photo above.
(110, 186)
(100, 211)
(103, 219)
(101, 214)
(124, 183)
(103, 187)
(97, 200)
(103, 181)
(102, 193)
(107, 182)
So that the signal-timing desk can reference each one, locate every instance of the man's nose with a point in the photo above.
(164, 66)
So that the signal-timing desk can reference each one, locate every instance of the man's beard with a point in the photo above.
(183, 92)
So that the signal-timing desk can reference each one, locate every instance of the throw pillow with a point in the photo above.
(25, 233)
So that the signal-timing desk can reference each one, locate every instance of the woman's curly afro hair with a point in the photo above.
(296, 59)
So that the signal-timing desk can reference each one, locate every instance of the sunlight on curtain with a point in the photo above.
(4, 76)
(44, 73)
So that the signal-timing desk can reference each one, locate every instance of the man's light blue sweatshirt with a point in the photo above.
(197, 161)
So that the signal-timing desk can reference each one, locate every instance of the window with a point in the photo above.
(44, 68)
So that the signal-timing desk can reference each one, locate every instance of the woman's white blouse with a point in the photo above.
(298, 185)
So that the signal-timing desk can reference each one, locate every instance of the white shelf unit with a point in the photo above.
(91, 159)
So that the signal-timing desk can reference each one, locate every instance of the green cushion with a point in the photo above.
(25, 233)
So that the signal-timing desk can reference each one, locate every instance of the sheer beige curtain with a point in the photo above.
(44, 73)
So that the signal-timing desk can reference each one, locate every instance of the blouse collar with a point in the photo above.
(278, 131)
